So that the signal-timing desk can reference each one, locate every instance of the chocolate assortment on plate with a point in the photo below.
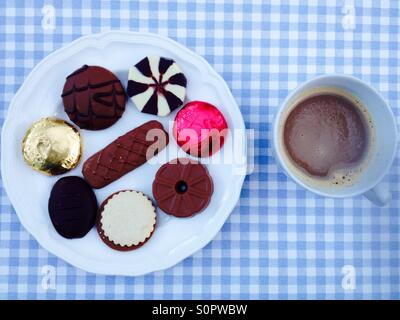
(94, 99)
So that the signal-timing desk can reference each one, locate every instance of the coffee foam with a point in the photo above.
(339, 176)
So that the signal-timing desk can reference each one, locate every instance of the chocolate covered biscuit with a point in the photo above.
(93, 98)
(125, 154)
(126, 220)
(182, 187)
(72, 207)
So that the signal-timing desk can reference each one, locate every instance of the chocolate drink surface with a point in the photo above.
(324, 133)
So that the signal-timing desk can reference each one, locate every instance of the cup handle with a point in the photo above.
(379, 195)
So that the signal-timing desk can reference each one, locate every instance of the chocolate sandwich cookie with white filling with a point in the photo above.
(156, 85)
(126, 220)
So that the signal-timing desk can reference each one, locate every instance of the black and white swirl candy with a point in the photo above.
(156, 85)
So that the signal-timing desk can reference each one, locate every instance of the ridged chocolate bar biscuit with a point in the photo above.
(125, 154)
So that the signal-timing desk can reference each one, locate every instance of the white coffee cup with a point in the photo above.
(382, 152)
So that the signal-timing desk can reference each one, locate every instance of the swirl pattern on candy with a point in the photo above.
(156, 85)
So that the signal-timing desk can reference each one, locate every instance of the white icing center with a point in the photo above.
(128, 218)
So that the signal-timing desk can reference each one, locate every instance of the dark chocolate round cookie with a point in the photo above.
(93, 98)
(182, 187)
(72, 207)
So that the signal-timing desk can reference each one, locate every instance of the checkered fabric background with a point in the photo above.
(280, 242)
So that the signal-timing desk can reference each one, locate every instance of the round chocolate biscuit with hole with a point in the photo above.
(182, 187)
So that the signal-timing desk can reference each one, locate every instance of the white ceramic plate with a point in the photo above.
(174, 238)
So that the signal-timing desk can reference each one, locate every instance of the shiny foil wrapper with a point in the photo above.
(52, 146)
(200, 129)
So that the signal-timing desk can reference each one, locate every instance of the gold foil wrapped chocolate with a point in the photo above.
(52, 146)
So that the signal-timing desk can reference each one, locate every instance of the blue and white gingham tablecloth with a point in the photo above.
(280, 242)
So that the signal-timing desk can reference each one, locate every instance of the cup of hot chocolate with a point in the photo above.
(337, 137)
